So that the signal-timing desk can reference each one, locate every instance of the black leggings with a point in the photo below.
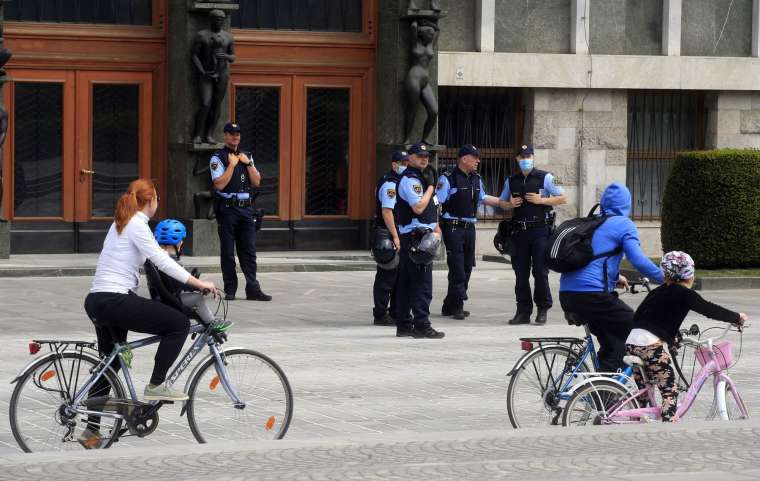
(130, 312)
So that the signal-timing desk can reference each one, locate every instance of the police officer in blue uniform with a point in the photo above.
(460, 192)
(234, 176)
(384, 288)
(532, 194)
(417, 210)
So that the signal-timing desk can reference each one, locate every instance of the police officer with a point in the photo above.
(234, 176)
(460, 191)
(417, 210)
(384, 289)
(532, 193)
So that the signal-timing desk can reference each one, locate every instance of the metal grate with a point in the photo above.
(660, 124)
(315, 15)
(115, 144)
(327, 151)
(257, 110)
(38, 149)
(124, 12)
(489, 119)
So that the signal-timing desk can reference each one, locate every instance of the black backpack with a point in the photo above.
(569, 246)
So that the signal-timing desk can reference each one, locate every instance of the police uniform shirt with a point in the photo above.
(410, 190)
(217, 169)
(387, 195)
(444, 191)
(549, 190)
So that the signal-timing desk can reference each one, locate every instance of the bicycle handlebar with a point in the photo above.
(697, 343)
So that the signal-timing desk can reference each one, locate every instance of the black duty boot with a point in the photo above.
(541, 316)
(460, 314)
(520, 318)
(385, 320)
(258, 296)
(427, 333)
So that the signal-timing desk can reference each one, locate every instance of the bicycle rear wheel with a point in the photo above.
(533, 396)
(590, 404)
(38, 420)
(262, 386)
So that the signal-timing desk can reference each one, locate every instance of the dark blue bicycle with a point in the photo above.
(544, 378)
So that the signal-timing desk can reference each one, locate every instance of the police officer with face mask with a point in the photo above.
(420, 236)
(532, 194)
(460, 191)
(386, 242)
(234, 176)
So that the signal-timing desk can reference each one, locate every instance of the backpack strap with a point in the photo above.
(593, 210)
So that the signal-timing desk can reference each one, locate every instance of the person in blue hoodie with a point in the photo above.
(588, 294)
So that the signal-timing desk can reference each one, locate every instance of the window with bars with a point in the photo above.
(122, 12)
(309, 15)
(660, 124)
(488, 118)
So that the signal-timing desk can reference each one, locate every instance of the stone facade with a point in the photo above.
(733, 120)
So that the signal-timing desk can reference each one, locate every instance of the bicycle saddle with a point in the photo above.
(633, 361)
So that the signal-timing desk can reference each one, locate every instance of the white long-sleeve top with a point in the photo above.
(118, 268)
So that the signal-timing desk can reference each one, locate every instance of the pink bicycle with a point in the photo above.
(602, 400)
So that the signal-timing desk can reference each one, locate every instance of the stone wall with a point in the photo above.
(733, 120)
(630, 27)
(540, 26)
(458, 28)
(720, 28)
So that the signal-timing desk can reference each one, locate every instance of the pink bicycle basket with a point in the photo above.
(723, 354)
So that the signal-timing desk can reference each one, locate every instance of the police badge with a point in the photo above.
(418, 189)
(391, 193)
(214, 165)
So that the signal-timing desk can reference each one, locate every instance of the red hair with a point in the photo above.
(139, 193)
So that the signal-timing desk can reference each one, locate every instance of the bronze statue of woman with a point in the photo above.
(417, 86)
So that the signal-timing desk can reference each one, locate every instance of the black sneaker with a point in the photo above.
(520, 318)
(427, 333)
(446, 310)
(541, 316)
(229, 297)
(460, 314)
(404, 331)
(385, 320)
(258, 296)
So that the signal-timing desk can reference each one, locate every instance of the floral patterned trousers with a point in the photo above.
(658, 369)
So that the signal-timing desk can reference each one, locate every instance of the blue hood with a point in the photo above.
(616, 200)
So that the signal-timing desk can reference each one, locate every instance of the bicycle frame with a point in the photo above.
(205, 337)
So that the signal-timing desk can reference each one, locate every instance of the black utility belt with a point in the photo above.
(529, 224)
(458, 223)
(235, 202)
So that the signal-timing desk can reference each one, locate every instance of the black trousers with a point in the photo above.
(609, 319)
(384, 292)
(528, 248)
(237, 231)
(460, 257)
(414, 291)
(130, 312)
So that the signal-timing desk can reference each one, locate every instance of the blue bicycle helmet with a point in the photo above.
(170, 232)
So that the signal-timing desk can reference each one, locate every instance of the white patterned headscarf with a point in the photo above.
(677, 266)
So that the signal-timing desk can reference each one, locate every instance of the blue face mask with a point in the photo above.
(401, 169)
(525, 164)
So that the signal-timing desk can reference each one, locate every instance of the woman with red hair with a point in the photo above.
(113, 301)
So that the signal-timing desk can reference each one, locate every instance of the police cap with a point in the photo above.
(400, 156)
(419, 149)
(231, 128)
(469, 149)
(525, 150)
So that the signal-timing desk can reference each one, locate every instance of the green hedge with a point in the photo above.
(711, 208)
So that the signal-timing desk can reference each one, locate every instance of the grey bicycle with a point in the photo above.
(234, 393)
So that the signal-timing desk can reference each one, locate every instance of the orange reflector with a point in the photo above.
(214, 383)
(270, 423)
(48, 375)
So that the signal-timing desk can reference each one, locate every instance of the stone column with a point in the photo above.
(756, 28)
(671, 27)
(580, 136)
(579, 21)
(485, 25)
(186, 18)
(5, 225)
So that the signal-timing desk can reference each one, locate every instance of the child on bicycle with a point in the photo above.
(658, 319)
(170, 235)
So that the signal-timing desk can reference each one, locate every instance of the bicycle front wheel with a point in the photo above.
(260, 384)
(534, 395)
(591, 404)
(39, 420)
(729, 405)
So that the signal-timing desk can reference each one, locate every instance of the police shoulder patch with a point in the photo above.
(391, 193)
(439, 186)
(214, 165)
(417, 189)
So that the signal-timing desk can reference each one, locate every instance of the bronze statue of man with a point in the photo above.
(213, 51)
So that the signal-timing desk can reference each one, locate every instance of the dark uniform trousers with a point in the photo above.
(237, 230)
(414, 290)
(609, 319)
(460, 256)
(384, 291)
(528, 247)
